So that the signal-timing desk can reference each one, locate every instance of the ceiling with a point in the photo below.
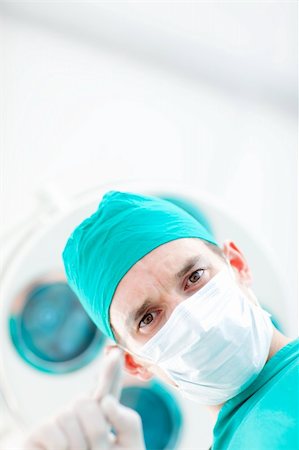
(247, 48)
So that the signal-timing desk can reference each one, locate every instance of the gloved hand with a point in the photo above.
(87, 425)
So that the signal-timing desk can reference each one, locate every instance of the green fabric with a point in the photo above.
(102, 249)
(192, 209)
(265, 415)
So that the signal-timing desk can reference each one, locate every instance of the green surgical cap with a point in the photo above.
(103, 248)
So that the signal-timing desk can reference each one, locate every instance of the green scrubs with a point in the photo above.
(265, 415)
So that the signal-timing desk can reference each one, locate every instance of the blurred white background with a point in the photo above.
(197, 92)
(203, 93)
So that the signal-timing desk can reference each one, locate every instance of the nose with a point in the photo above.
(171, 300)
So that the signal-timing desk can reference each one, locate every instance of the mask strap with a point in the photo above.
(125, 349)
(230, 269)
(232, 273)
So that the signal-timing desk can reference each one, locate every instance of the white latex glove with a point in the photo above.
(87, 425)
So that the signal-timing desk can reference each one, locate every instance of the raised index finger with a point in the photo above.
(110, 378)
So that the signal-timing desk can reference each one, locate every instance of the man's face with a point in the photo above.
(155, 285)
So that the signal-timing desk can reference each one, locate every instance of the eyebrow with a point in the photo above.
(137, 313)
(188, 266)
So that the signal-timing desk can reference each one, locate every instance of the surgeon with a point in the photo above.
(178, 306)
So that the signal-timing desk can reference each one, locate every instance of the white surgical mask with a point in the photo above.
(214, 344)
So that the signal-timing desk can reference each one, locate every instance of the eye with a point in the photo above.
(195, 276)
(147, 319)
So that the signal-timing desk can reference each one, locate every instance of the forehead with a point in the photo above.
(154, 268)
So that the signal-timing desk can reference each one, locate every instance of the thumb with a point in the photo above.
(125, 421)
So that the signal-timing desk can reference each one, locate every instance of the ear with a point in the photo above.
(238, 262)
(136, 369)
